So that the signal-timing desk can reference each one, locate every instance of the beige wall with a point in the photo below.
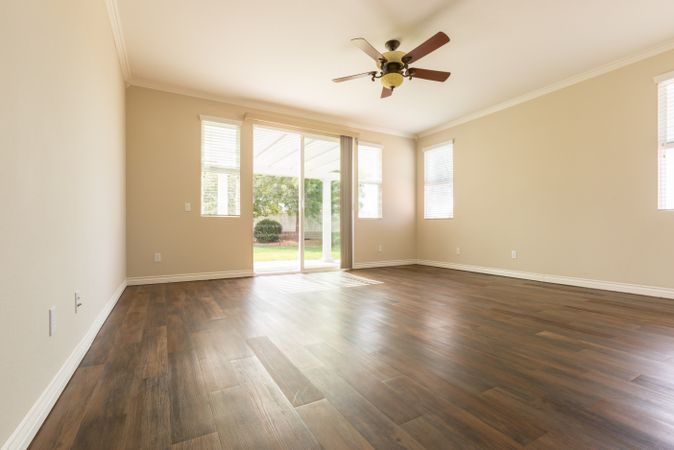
(568, 179)
(163, 172)
(396, 230)
(61, 187)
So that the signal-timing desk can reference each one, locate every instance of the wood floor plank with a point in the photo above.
(365, 362)
(331, 429)
(567, 430)
(134, 323)
(207, 442)
(211, 307)
(457, 424)
(379, 430)
(219, 340)
(296, 353)
(191, 415)
(280, 422)
(177, 336)
(60, 428)
(218, 373)
(296, 387)
(155, 352)
(238, 421)
(105, 419)
(149, 411)
(157, 309)
(431, 438)
(367, 384)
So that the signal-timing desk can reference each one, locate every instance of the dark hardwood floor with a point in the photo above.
(410, 357)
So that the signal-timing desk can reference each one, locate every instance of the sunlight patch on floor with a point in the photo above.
(315, 282)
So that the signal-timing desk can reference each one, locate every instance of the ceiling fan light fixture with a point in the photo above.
(393, 65)
(392, 80)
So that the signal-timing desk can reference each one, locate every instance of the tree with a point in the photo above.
(274, 196)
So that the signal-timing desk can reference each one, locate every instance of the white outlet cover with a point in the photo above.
(513, 254)
(157, 257)
(188, 207)
(458, 250)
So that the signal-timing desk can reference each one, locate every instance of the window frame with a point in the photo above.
(664, 146)
(380, 184)
(236, 124)
(450, 144)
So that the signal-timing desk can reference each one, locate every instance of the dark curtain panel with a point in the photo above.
(346, 200)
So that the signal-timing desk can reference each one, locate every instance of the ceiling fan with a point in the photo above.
(393, 65)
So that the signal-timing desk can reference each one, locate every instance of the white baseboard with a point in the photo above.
(176, 278)
(22, 436)
(388, 263)
(651, 291)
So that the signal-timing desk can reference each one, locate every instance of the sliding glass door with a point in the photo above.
(295, 225)
(321, 202)
(276, 200)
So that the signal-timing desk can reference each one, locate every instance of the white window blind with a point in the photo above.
(220, 169)
(666, 141)
(369, 182)
(439, 182)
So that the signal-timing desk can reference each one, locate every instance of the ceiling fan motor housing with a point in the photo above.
(392, 69)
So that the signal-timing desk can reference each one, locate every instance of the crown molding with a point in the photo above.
(267, 108)
(118, 35)
(575, 79)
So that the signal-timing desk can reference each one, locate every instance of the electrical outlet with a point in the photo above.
(157, 257)
(380, 248)
(52, 320)
(188, 207)
(513, 254)
(78, 301)
(458, 250)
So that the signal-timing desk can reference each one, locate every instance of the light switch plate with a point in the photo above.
(52, 320)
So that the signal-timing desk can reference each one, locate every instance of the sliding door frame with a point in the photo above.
(303, 133)
(300, 232)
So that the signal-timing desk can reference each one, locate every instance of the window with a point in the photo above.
(666, 141)
(220, 158)
(439, 182)
(369, 182)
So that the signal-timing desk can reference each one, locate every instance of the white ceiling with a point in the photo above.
(286, 52)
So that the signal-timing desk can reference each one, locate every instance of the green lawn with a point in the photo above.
(287, 253)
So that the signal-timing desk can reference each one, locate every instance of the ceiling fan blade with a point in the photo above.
(426, 74)
(353, 77)
(386, 92)
(433, 43)
(365, 46)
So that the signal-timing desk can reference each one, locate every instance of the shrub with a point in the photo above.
(267, 230)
